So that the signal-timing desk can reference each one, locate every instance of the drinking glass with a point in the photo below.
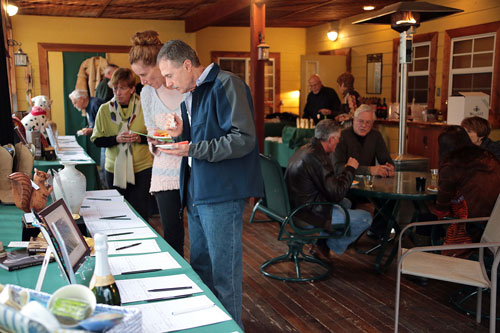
(434, 174)
(369, 180)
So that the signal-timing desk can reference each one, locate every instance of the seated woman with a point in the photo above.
(128, 160)
(478, 130)
(469, 183)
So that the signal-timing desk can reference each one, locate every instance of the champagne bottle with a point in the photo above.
(103, 283)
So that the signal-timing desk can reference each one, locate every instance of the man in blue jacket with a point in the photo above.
(220, 167)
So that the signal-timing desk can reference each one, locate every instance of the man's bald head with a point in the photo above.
(315, 83)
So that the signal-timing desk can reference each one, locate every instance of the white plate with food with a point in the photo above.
(165, 146)
(355, 182)
(432, 188)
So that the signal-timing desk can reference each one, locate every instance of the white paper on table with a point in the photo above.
(106, 208)
(157, 317)
(110, 226)
(102, 193)
(145, 246)
(135, 233)
(91, 201)
(18, 244)
(142, 262)
(135, 290)
(29, 217)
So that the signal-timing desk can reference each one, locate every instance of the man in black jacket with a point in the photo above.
(322, 102)
(310, 176)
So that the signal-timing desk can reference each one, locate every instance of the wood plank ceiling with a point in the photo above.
(202, 13)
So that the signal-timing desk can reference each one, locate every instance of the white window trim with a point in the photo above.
(471, 70)
(418, 73)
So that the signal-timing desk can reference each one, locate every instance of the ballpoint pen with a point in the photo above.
(127, 246)
(169, 297)
(112, 217)
(141, 271)
(101, 199)
(115, 218)
(120, 233)
(170, 289)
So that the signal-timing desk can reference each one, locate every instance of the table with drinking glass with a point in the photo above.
(386, 194)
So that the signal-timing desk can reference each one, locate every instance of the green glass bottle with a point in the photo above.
(103, 283)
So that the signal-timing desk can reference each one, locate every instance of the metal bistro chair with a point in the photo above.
(277, 208)
(419, 261)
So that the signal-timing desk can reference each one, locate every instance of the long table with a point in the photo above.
(11, 225)
(88, 168)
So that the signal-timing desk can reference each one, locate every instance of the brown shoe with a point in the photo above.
(321, 252)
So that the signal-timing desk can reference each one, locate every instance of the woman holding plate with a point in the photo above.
(157, 102)
(128, 161)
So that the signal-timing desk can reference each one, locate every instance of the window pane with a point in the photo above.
(483, 44)
(420, 96)
(234, 65)
(463, 46)
(410, 67)
(268, 81)
(268, 68)
(422, 51)
(421, 82)
(482, 60)
(461, 61)
(481, 81)
(421, 65)
(462, 81)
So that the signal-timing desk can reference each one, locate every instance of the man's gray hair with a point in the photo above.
(78, 93)
(178, 51)
(325, 128)
(363, 108)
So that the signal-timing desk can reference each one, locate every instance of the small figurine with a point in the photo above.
(30, 195)
(36, 119)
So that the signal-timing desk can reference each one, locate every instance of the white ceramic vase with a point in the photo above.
(74, 185)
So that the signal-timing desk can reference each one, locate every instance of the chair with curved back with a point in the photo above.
(277, 207)
(420, 261)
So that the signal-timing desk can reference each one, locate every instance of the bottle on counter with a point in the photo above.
(383, 110)
(103, 283)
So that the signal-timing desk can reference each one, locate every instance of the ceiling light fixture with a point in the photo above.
(367, 8)
(12, 9)
(332, 35)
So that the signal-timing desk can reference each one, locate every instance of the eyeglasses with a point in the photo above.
(364, 122)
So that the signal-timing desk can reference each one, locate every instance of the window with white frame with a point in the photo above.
(418, 73)
(241, 67)
(471, 65)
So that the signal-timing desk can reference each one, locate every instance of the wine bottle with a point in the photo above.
(384, 110)
(103, 283)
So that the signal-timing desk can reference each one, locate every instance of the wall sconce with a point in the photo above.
(12, 9)
(263, 49)
(20, 58)
(332, 35)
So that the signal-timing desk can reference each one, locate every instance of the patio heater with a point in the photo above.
(405, 17)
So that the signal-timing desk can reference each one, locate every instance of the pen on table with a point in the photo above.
(84, 206)
(170, 289)
(127, 246)
(115, 218)
(193, 309)
(120, 233)
(101, 199)
(168, 297)
(142, 271)
(112, 217)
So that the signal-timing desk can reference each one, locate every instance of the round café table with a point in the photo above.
(386, 195)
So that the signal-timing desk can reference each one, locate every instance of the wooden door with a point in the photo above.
(328, 67)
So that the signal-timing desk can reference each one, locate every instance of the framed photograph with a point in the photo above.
(67, 239)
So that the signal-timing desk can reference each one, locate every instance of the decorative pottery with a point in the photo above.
(74, 185)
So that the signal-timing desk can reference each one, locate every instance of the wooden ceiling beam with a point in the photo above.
(103, 8)
(215, 13)
(318, 5)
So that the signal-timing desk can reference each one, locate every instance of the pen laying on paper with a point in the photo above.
(115, 218)
(170, 289)
(142, 271)
(120, 233)
(169, 297)
(194, 309)
(127, 246)
(101, 199)
(112, 217)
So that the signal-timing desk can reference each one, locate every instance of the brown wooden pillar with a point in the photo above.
(257, 27)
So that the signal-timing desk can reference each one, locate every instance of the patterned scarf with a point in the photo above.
(124, 163)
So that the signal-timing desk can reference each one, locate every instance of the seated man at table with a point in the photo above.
(366, 145)
(322, 102)
(310, 176)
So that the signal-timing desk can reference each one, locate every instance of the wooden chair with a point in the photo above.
(419, 261)
(277, 207)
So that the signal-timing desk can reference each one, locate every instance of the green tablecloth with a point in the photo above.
(89, 169)
(278, 151)
(296, 137)
(10, 226)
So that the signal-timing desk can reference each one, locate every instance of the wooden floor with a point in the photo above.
(352, 299)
